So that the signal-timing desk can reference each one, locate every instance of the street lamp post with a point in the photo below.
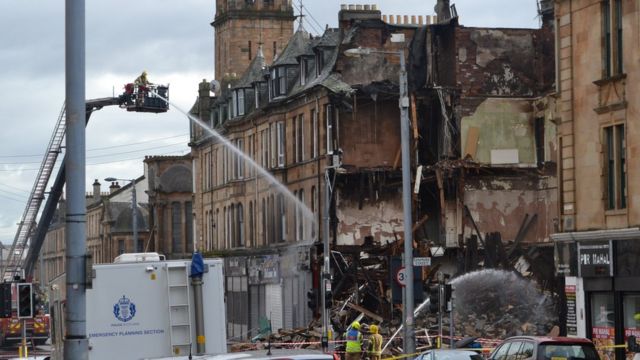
(134, 216)
(409, 340)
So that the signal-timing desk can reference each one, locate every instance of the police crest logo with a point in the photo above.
(124, 310)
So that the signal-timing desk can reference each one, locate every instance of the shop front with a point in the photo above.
(602, 287)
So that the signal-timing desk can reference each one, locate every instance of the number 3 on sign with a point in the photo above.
(401, 276)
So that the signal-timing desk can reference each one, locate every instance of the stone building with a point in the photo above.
(599, 239)
(170, 185)
(482, 128)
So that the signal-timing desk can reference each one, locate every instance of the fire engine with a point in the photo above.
(11, 323)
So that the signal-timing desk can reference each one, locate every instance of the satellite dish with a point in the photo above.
(214, 85)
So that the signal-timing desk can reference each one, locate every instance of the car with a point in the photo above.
(275, 354)
(449, 354)
(544, 348)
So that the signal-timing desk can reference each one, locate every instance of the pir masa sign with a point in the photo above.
(595, 259)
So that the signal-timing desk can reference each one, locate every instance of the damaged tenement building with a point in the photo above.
(483, 145)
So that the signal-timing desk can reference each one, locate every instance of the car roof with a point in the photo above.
(552, 339)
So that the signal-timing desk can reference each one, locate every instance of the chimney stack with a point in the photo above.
(114, 187)
(351, 12)
(96, 190)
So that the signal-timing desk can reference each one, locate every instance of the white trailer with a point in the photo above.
(145, 309)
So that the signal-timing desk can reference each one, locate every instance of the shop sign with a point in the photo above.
(264, 269)
(235, 266)
(595, 259)
(572, 319)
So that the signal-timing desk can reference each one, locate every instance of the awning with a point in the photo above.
(613, 234)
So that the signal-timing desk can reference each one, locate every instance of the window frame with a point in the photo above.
(614, 167)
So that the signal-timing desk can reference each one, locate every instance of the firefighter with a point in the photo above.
(354, 342)
(142, 79)
(375, 343)
(141, 83)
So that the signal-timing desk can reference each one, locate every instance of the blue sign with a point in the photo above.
(124, 310)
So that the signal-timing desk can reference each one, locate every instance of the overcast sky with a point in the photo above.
(172, 40)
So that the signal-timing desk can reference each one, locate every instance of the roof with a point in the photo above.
(254, 71)
(296, 46)
(552, 339)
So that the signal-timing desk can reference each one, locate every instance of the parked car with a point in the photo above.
(447, 354)
(545, 348)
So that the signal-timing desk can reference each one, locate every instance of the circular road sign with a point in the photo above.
(401, 276)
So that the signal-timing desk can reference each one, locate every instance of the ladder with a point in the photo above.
(14, 263)
(179, 308)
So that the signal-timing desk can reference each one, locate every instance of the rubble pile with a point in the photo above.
(495, 304)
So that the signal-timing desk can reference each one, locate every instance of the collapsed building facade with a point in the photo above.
(483, 148)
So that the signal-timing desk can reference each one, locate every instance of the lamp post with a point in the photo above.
(134, 217)
(409, 340)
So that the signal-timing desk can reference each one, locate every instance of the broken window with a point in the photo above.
(614, 148)
(612, 37)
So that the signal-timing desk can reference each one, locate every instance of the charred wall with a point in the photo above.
(500, 204)
(503, 62)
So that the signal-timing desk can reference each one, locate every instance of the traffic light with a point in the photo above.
(25, 300)
(448, 292)
(327, 299)
(632, 345)
(434, 298)
(5, 300)
(312, 299)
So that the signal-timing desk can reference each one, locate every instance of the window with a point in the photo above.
(264, 146)
(238, 103)
(615, 167)
(300, 217)
(238, 161)
(264, 222)
(319, 62)
(313, 210)
(280, 131)
(256, 95)
(188, 216)
(303, 71)
(251, 224)
(299, 138)
(282, 219)
(176, 228)
(249, 44)
(612, 37)
(278, 81)
(240, 225)
(121, 248)
(329, 121)
(314, 134)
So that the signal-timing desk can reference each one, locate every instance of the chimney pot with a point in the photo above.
(343, 6)
(406, 19)
(374, 7)
(359, 7)
(352, 7)
(398, 19)
(384, 18)
(367, 7)
(420, 20)
(413, 20)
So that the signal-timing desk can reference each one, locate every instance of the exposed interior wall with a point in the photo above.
(499, 131)
(358, 217)
(499, 204)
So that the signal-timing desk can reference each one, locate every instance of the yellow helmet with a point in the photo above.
(373, 329)
(355, 325)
